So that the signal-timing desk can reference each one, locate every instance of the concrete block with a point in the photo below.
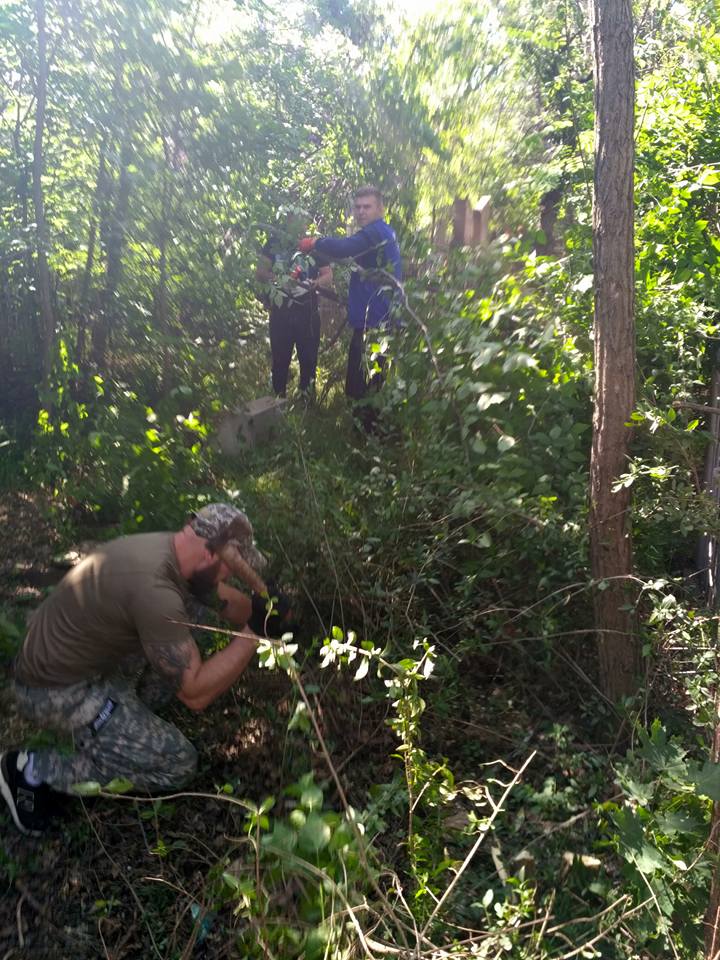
(481, 222)
(247, 426)
(470, 225)
(462, 223)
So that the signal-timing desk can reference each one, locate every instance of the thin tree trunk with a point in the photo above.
(163, 319)
(84, 305)
(99, 215)
(43, 272)
(114, 248)
(19, 313)
(21, 332)
(21, 158)
(610, 533)
(162, 312)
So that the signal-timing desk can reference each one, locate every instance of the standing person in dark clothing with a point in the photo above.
(293, 303)
(373, 247)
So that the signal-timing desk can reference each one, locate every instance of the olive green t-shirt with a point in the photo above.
(117, 602)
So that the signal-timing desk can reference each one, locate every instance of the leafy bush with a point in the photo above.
(299, 891)
(116, 457)
(660, 829)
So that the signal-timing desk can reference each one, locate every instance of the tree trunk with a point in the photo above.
(162, 313)
(610, 533)
(84, 305)
(100, 210)
(43, 272)
(114, 250)
(20, 331)
(163, 318)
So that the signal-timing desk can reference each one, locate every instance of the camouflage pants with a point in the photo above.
(114, 733)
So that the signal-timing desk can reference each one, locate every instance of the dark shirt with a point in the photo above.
(375, 247)
(287, 261)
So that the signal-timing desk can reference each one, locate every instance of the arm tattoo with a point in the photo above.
(171, 660)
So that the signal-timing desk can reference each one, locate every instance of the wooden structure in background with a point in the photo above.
(462, 224)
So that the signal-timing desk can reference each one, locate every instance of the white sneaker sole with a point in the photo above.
(10, 801)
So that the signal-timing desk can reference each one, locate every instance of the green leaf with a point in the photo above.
(297, 819)
(634, 845)
(311, 798)
(86, 788)
(709, 178)
(282, 838)
(640, 792)
(664, 756)
(707, 781)
(119, 785)
(315, 834)
(649, 859)
(300, 719)
(231, 881)
(678, 822)
(267, 804)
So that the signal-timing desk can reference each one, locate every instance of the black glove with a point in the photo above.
(278, 622)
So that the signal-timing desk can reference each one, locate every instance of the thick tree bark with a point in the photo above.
(47, 320)
(610, 534)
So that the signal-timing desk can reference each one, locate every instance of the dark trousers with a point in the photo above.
(357, 382)
(294, 326)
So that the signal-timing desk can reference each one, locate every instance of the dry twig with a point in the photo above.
(476, 846)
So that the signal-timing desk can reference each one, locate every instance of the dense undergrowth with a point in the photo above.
(427, 768)
(499, 806)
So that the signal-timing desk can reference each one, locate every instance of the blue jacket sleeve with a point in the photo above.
(343, 248)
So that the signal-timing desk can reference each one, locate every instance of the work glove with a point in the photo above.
(306, 244)
(278, 622)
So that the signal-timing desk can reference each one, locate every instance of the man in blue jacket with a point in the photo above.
(373, 248)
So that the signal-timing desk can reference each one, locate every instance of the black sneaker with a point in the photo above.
(29, 806)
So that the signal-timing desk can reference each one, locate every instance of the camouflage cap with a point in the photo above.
(217, 519)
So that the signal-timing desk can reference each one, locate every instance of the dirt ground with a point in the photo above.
(131, 877)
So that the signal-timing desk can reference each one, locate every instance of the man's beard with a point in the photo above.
(202, 583)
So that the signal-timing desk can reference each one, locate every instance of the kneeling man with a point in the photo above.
(112, 642)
